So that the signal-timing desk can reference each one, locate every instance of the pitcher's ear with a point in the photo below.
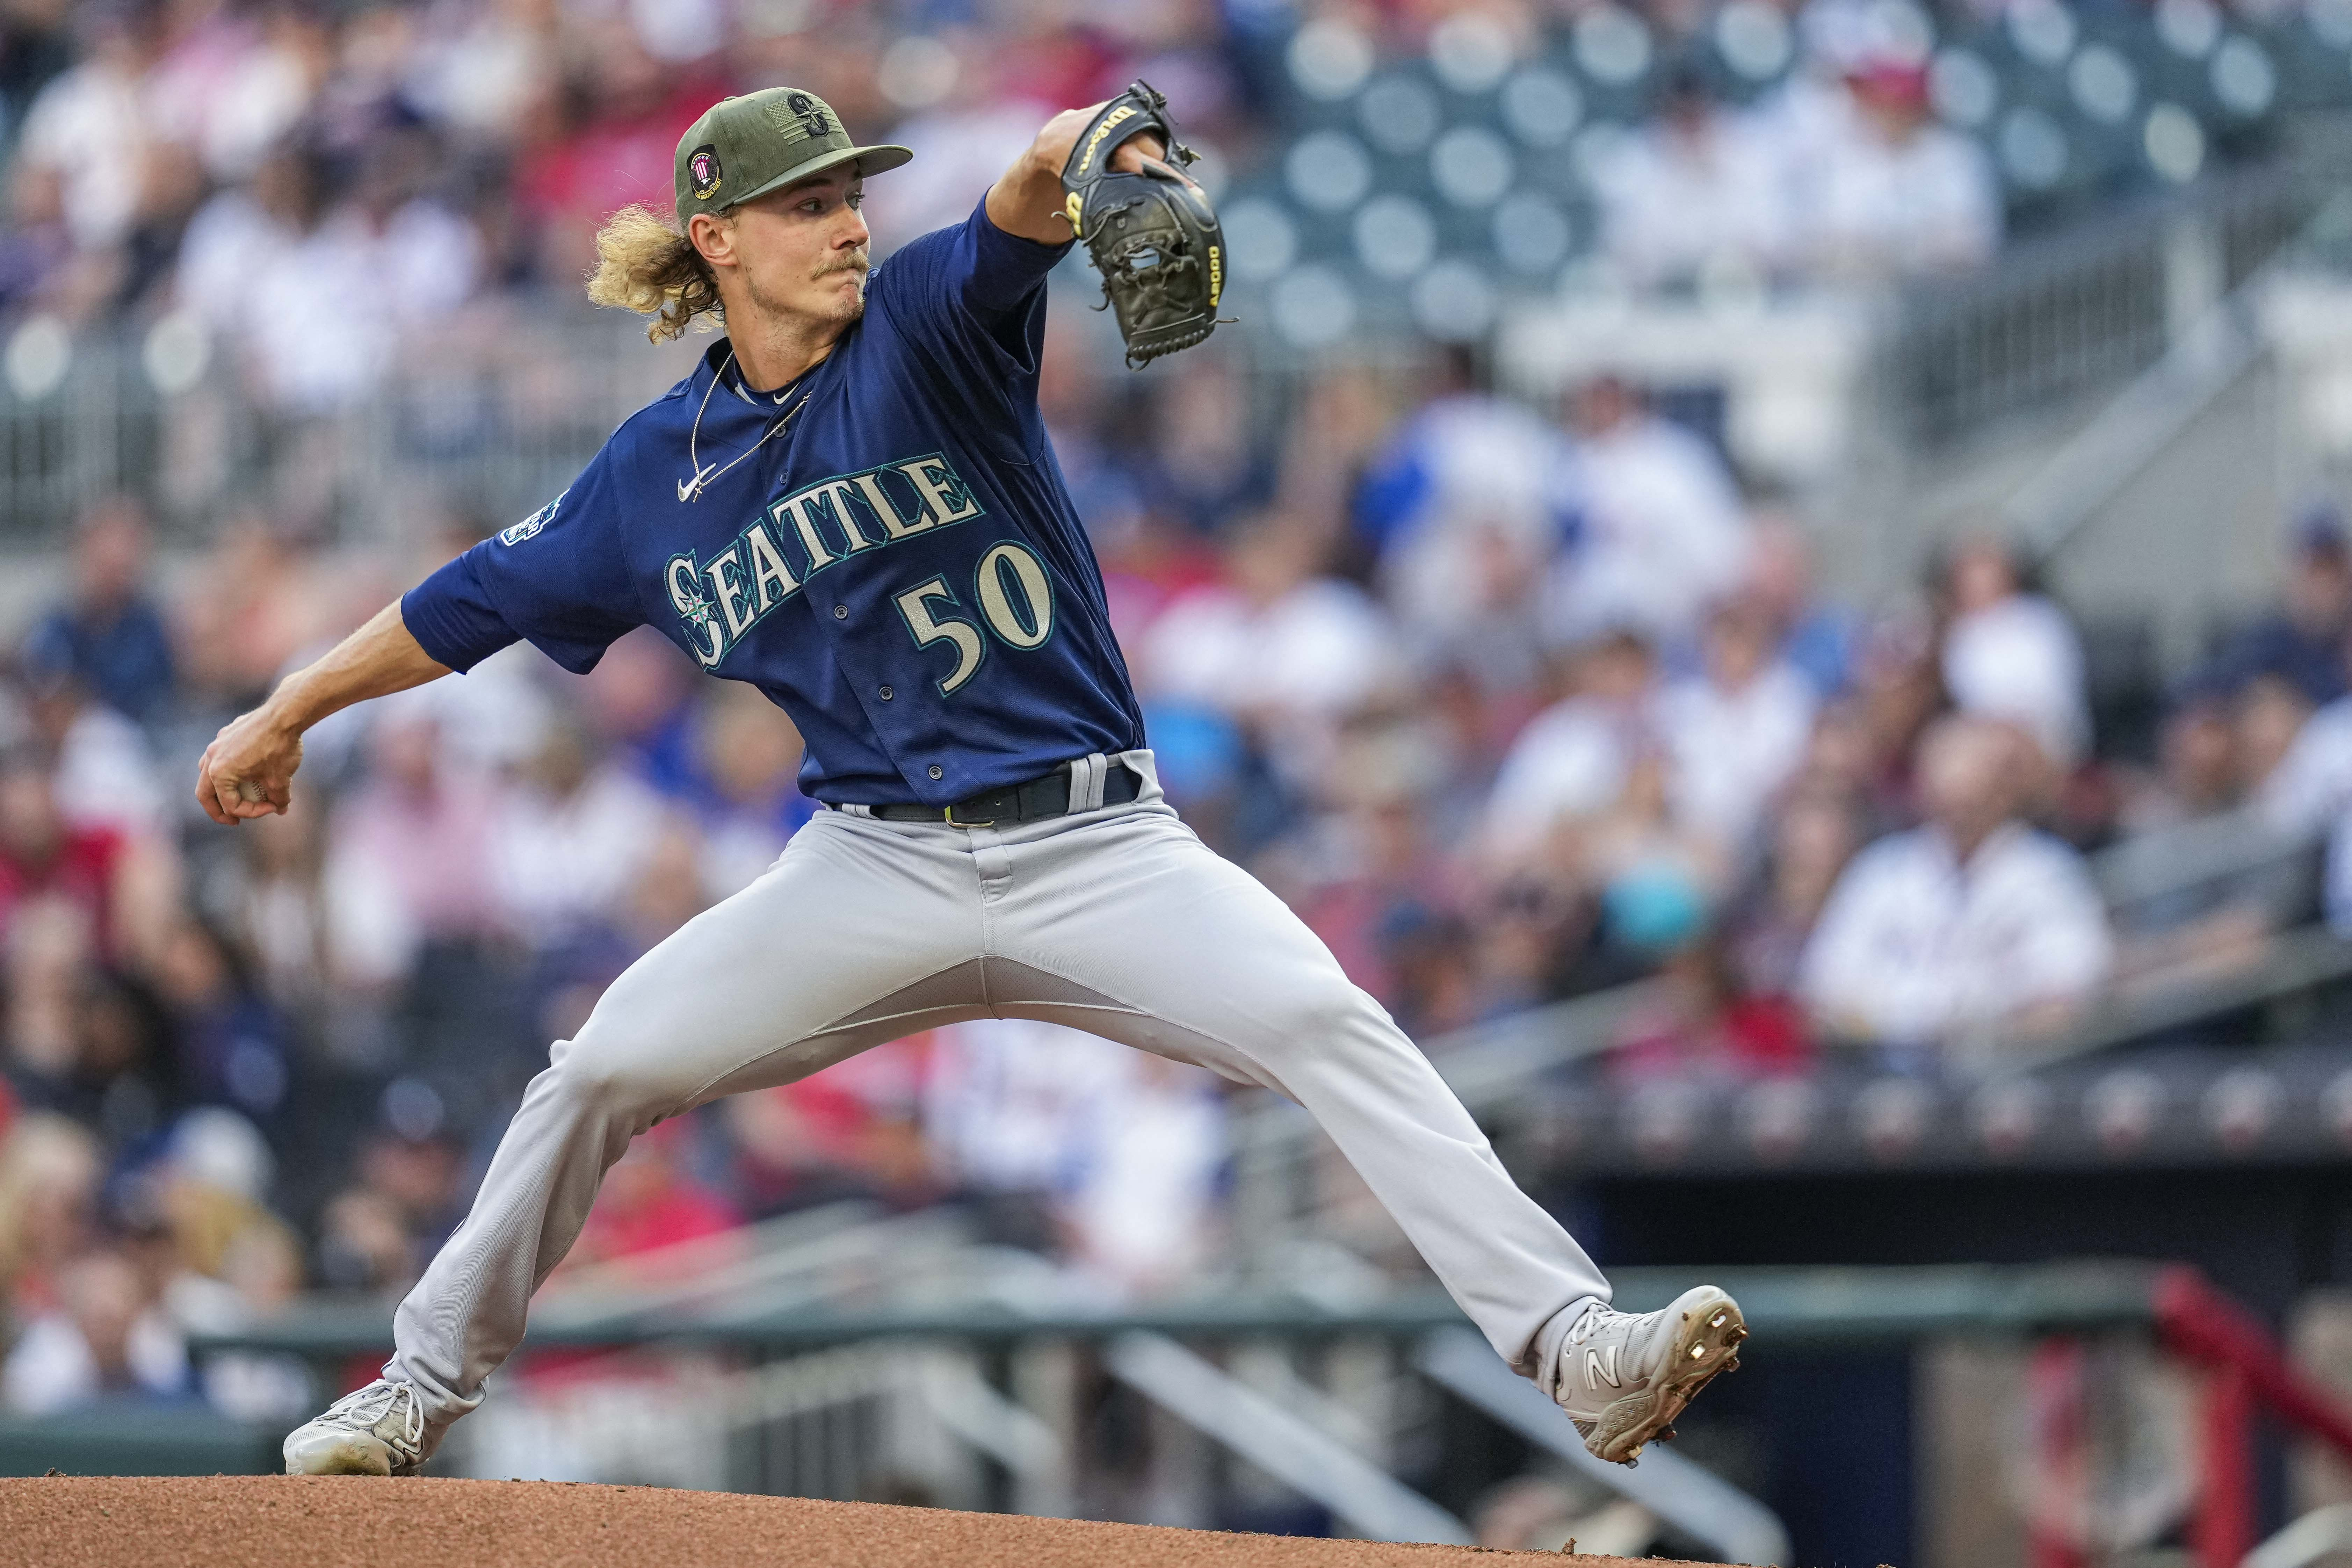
(713, 235)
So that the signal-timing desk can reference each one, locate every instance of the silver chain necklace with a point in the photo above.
(691, 490)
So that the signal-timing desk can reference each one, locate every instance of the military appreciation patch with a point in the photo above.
(703, 173)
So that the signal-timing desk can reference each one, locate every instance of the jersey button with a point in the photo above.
(885, 694)
(937, 771)
(841, 612)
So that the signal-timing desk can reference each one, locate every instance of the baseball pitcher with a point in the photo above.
(852, 504)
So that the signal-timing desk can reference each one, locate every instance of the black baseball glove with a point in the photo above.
(1153, 236)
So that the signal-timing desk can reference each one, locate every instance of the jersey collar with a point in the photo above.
(715, 360)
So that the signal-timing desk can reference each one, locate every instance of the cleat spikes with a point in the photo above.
(1686, 1348)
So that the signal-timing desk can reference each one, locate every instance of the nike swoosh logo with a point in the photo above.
(689, 488)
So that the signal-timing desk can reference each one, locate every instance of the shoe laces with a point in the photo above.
(1590, 1321)
(366, 1407)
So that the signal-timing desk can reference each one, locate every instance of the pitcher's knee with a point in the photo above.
(1326, 1011)
(602, 1074)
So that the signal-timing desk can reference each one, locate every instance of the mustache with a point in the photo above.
(855, 263)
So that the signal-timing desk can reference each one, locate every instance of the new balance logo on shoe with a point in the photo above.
(1624, 1377)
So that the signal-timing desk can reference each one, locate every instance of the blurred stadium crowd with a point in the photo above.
(287, 173)
(1513, 704)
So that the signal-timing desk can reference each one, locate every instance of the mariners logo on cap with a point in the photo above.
(800, 116)
(702, 170)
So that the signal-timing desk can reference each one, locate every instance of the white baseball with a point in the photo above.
(250, 792)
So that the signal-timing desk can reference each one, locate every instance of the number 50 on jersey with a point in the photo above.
(823, 524)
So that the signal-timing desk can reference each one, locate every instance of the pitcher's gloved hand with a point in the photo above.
(1151, 231)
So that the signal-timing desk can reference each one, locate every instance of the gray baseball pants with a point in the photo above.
(1116, 921)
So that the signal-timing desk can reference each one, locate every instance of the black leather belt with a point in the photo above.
(1039, 797)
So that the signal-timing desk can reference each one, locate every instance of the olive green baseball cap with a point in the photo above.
(742, 148)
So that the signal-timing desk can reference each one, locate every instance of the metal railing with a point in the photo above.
(2165, 861)
(1280, 1441)
(2072, 313)
(1693, 1499)
(100, 427)
(949, 1359)
(959, 1363)
(492, 419)
(2214, 337)
(820, 1386)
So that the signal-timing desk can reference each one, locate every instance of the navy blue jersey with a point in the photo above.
(899, 568)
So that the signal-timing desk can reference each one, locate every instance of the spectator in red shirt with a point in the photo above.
(650, 1200)
(628, 115)
(1702, 1027)
(44, 856)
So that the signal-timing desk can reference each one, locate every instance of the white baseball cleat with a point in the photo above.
(1624, 1377)
(378, 1430)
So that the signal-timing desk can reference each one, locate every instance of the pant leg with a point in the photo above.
(1129, 926)
(862, 932)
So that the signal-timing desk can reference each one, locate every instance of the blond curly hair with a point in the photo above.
(643, 264)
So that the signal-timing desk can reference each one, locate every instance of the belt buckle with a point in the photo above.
(949, 812)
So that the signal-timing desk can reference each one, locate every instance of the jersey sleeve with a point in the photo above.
(973, 279)
(558, 580)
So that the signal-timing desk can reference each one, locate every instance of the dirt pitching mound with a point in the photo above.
(267, 1521)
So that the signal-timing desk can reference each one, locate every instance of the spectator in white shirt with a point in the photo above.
(107, 775)
(1122, 1148)
(572, 837)
(983, 115)
(1466, 504)
(1973, 923)
(87, 148)
(1694, 191)
(231, 85)
(1573, 759)
(1898, 194)
(1002, 1106)
(325, 298)
(1813, 106)
(1140, 1210)
(1664, 531)
(1734, 734)
(2013, 655)
(487, 71)
(245, 228)
(1277, 647)
(107, 1337)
